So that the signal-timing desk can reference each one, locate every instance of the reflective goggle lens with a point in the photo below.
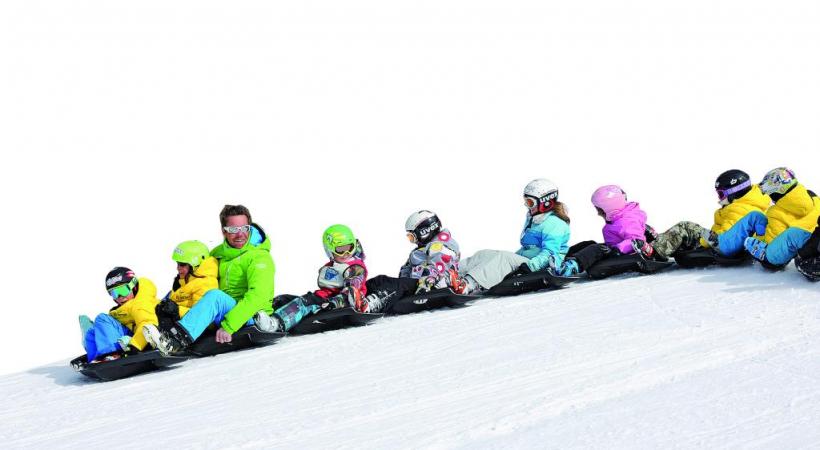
(411, 237)
(530, 202)
(343, 250)
(235, 230)
(122, 290)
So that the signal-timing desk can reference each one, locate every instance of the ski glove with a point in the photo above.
(123, 342)
(523, 269)
(756, 248)
(167, 308)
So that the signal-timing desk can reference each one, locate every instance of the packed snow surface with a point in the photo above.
(709, 358)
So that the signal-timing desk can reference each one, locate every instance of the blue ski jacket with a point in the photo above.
(544, 236)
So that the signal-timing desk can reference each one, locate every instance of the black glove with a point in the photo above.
(523, 269)
(167, 309)
(130, 351)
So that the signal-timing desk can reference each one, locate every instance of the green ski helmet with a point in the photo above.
(339, 241)
(191, 253)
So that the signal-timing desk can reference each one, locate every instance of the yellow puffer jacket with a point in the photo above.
(797, 209)
(138, 311)
(727, 216)
(191, 291)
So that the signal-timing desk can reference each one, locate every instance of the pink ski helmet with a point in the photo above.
(609, 199)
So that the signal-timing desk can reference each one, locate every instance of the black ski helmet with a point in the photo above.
(422, 226)
(731, 185)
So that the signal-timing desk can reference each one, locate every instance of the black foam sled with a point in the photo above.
(333, 319)
(522, 284)
(437, 298)
(246, 337)
(703, 257)
(617, 265)
(126, 366)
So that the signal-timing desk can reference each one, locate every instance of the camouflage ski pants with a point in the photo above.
(682, 236)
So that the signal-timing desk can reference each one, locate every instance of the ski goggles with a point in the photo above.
(239, 229)
(530, 202)
(344, 250)
(122, 290)
(723, 194)
(411, 237)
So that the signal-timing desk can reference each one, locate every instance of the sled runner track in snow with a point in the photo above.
(246, 337)
(616, 265)
(125, 366)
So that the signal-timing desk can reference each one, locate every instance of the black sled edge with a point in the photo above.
(126, 366)
(248, 336)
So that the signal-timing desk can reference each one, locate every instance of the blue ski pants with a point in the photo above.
(730, 242)
(785, 246)
(102, 338)
(210, 309)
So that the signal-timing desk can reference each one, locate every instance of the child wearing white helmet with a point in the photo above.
(544, 242)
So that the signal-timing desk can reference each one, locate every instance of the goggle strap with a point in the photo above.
(727, 192)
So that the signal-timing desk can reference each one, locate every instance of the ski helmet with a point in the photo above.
(540, 196)
(609, 199)
(422, 226)
(339, 241)
(120, 282)
(732, 185)
(191, 253)
(778, 181)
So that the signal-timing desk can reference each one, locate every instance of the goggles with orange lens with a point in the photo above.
(530, 202)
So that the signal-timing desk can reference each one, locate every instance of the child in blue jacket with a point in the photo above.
(544, 242)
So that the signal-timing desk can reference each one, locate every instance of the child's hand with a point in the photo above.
(755, 247)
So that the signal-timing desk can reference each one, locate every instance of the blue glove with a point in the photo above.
(755, 247)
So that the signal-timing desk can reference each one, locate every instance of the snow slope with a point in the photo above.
(710, 358)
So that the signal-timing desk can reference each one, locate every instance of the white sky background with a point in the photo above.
(124, 127)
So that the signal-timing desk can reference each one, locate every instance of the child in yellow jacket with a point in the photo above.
(196, 274)
(120, 331)
(791, 220)
(742, 213)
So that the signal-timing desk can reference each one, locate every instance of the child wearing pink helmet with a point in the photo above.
(625, 232)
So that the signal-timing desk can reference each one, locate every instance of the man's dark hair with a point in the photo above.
(233, 210)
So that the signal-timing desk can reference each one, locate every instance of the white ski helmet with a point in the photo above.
(540, 196)
(421, 226)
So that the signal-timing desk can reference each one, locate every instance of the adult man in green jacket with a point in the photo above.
(246, 272)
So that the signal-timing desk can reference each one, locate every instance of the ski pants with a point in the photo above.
(786, 245)
(681, 236)
(210, 309)
(291, 309)
(102, 338)
(389, 290)
(587, 253)
(489, 267)
(730, 242)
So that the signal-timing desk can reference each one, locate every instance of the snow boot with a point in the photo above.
(85, 324)
(174, 340)
(266, 323)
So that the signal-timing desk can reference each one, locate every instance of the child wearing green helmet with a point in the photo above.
(341, 283)
(197, 274)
